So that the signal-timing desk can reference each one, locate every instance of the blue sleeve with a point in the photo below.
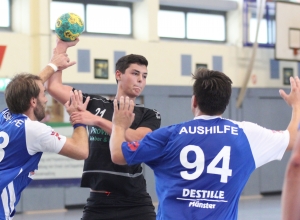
(149, 149)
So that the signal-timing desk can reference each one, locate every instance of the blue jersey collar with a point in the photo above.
(207, 117)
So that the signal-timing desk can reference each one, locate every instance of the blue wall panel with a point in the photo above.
(218, 63)
(83, 61)
(186, 65)
(274, 68)
(117, 56)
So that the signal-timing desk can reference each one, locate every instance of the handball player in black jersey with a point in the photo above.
(117, 191)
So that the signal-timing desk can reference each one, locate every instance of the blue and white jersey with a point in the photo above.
(22, 142)
(201, 166)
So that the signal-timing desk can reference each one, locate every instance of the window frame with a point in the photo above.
(9, 28)
(269, 19)
(105, 3)
(194, 10)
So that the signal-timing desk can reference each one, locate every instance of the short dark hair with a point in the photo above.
(212, 90)
(124, 62)
(20, 90)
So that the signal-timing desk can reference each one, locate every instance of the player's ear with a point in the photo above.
(33, 102)
(194, 102)
(118, 75)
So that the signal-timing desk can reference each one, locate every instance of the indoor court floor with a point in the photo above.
(250, 208)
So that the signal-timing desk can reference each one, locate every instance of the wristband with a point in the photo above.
(54, 67)
(78, 125)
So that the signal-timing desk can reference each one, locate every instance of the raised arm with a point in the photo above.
(54, 83)
(293, 100)
(59, 61)
(76, 147)
(122, 119)
(56, 89)
(290, 199)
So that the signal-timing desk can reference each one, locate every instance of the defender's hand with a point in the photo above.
(293, 98)
(123, 114)
(75, 103)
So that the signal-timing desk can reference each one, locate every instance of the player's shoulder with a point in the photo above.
(29, 122)
(251, 128)
(174, 128)
(9, 119)
(98, 102)
(139, 108)
(5, 115)
(36, 127)
(98, 98)
(243, 124)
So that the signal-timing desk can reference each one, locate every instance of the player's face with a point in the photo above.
(39, 110)
(133, 81)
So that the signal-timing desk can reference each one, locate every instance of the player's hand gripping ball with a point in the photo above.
(69, 26)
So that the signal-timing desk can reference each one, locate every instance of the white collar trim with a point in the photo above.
(207, 117)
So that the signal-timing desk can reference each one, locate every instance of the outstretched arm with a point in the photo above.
(122, 118)
(293, 100)
(290, 199)
(88, 118)
(76, 147)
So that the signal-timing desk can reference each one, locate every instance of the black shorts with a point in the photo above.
(115, 207)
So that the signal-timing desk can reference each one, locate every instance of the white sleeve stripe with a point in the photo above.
(266, 145)
(8, 204)
(12, 195)
(42, 138)
(4, 198)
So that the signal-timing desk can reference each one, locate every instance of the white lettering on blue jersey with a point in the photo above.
(209, 130)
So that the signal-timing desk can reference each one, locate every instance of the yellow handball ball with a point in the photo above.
(69, 26)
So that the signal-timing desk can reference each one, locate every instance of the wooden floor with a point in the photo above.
(250, 208)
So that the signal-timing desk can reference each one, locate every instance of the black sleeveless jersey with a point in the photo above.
(99, 172)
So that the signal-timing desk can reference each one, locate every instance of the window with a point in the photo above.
(5, 14)
(191, 24)
(103, 19)
(99, 17)
(171, 24)
(206, 27)
(266, 35)
(59, 8)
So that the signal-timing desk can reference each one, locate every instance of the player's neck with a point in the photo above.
(30, 114)
(119, 94)
(197, 112)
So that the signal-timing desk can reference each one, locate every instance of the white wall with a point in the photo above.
(30, 49)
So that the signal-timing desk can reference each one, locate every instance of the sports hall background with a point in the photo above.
(29, 46)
